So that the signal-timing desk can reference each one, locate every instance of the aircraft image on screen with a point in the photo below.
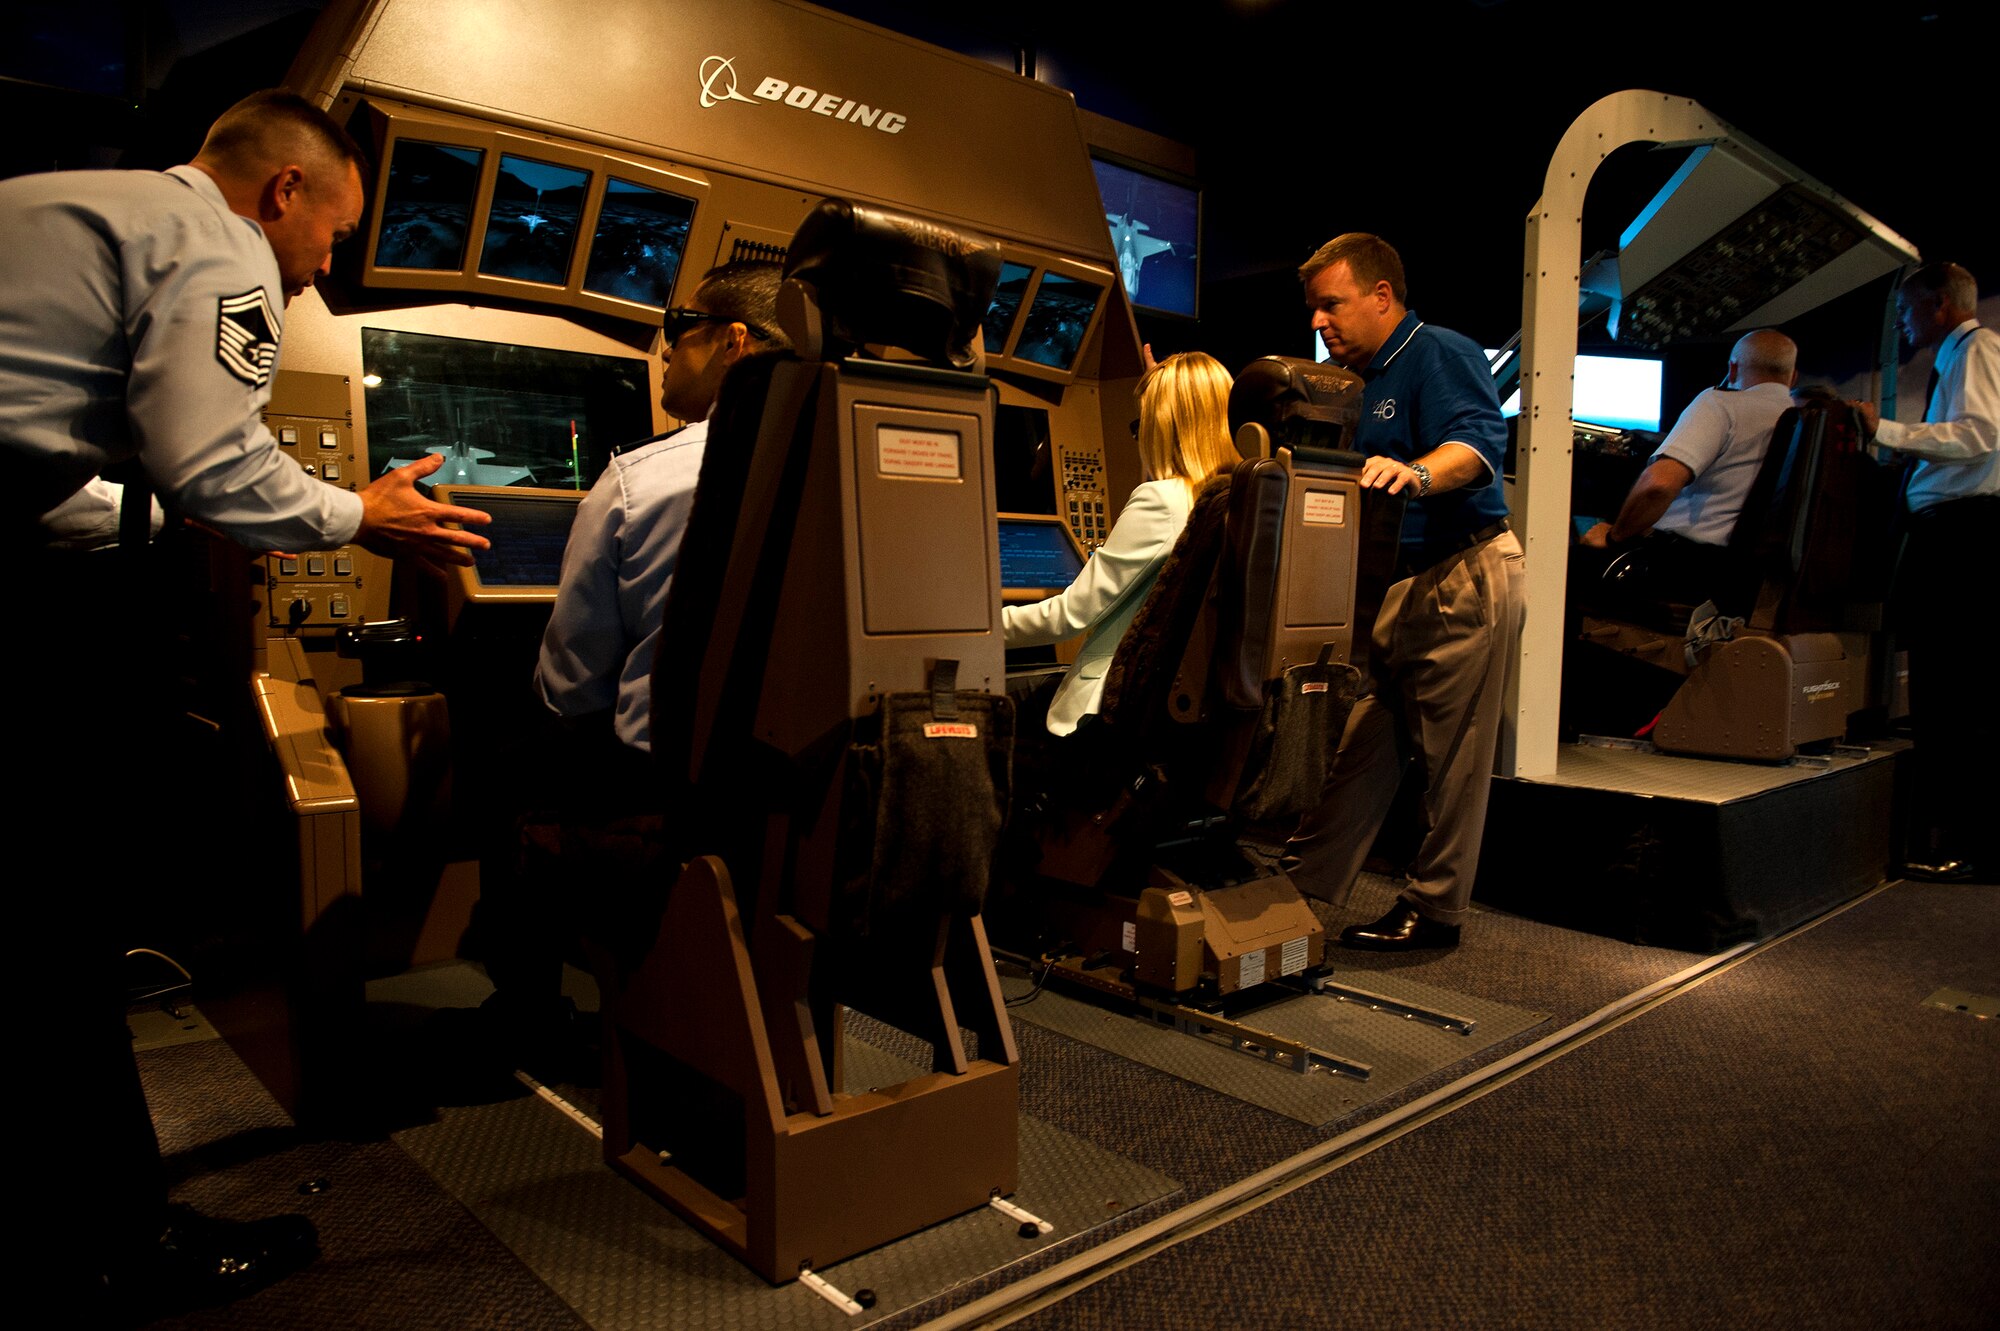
(531, 227)
(1155, 227)
(427, 206)
(1134, 247)
(636, 251)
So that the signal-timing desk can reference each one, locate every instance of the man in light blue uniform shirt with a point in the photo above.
(597, 655)
(141, 323)
(593, 785)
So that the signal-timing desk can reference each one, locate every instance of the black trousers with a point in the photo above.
(1948, 619)
(83, 764)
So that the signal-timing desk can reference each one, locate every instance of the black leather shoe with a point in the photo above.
(1943, 871)
(1401, 930)
(200, 1261)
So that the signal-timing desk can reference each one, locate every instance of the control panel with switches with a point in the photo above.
(313, 419)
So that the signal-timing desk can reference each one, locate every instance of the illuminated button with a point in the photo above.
(288, 567)
(331, 471)
(288, 434)
(316, 566)
(337, 606)
(329, 440)
(343, 565)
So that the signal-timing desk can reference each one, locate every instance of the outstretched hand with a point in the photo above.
(397, 521)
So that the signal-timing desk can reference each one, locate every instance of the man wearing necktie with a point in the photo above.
(1944, 606)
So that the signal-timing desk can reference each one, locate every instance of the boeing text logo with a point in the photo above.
(718, 85)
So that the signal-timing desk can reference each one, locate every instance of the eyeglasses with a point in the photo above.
(679, 321)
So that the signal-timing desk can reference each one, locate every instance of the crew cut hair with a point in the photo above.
(746, 292)
(1370, 258)
(275, 127)
(1953, 280)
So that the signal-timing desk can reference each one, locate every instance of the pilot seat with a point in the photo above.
(1221, 712)
(835, 747)
(1776, 659)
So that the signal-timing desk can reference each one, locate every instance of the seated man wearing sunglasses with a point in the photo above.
(597, 655)
(582, 835)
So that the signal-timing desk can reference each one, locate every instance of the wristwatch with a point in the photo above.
(1423, 478)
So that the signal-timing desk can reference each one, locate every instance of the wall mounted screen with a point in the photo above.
(501, 414)
(532, 224)
(1006, 304)
(1023, 463)
(1156, 233)
(1622, 392)
(427, 205)
(1057, 321)
(636, 252)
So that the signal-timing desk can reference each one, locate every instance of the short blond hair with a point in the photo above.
(1184, 420)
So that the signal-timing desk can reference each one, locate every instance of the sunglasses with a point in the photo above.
(680, 321)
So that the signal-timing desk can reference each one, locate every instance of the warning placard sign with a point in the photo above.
(900, 451)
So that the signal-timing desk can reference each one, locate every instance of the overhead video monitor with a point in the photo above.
(1055, 324)
(636, 251)
(1155, 224)
(1006, 305)
(501, 414)
(427, 205)
(1622, 392)
(1037, 557)
(529, 532)
(532, 223)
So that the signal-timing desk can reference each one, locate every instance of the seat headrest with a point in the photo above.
(887, 279)
(1296, 401)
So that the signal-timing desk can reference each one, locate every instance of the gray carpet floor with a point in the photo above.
(1798, 1142)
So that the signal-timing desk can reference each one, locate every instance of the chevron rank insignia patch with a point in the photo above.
(246, 337)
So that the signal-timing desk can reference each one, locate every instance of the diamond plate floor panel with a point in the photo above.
(624, 1263)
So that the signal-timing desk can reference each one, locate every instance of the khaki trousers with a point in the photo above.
(1443, 645)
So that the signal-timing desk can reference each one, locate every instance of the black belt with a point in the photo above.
(1429, 556)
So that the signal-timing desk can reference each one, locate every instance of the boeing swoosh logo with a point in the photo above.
(718, 82)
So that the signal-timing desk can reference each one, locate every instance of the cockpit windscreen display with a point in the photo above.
(1155, 232)
(427, 205)
(500, 414)
(1057, 321)
(1006, 304)
(636, 253)
(531, 227)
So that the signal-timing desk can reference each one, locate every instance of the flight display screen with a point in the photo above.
(531, 226)
(427, 205)
(1036, 555)
(1006, 304)
(529, 534)
(500, 413)
(1057, 321)
(636, 251)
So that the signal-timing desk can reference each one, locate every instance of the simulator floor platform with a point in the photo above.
(499, 1215)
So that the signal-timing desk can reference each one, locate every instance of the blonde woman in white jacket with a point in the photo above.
(1183, 440)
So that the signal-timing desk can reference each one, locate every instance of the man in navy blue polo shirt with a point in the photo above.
(1444, 641)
